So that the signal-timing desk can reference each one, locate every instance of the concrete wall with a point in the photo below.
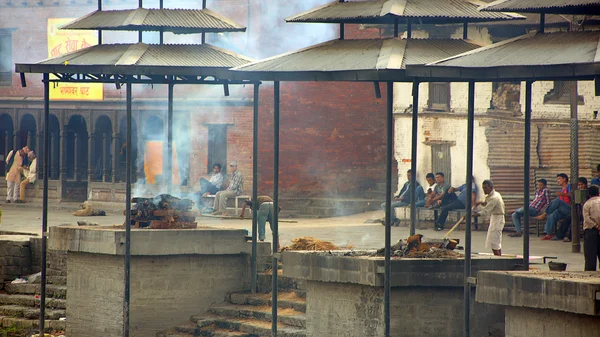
(531, 322)
(350, 310)
(165, 290)
(15, 258)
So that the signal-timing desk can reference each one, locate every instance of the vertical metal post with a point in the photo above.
(388, 207)
(140, 5)
(526, 174)
(168, 179)
(99, 30)
(127, 272)
(576, 245)
(275, 207)
(408, 29)
(465, 30)
(542, 22)
(413, 159)
(161, 6)
(253, 267)
(203, 33)
(396, 27)
(342, 31)
(467, 271)
(45, 201)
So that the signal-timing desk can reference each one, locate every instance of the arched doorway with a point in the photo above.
(54, 160)
(6, 139)
(103, 151)
(27, 132)
(122, 154)
(77, 149)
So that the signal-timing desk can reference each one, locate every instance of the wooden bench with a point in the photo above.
(236, 200)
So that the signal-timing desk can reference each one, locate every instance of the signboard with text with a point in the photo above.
(65, 41)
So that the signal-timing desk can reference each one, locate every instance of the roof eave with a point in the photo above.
(394, 75)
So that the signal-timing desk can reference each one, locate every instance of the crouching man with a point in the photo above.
(493, 206)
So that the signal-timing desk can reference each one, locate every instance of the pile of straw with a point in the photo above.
(309, 243)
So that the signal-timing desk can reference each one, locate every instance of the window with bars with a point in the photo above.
(439, 96)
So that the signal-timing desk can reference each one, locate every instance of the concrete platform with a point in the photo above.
(545, 303)
(345, 295)
(174, 274)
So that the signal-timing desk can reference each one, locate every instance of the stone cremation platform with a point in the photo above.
(345, 295)
(544, 303)
(175, 273)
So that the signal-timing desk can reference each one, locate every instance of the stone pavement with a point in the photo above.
(347, 230)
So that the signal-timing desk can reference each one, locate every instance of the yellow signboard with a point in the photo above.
(65, 41)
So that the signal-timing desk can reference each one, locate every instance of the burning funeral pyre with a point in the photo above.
(417, 246)
(163, 212)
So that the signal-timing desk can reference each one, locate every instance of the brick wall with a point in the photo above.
(15, 259)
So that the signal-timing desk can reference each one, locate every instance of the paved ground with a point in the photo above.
(350, 230)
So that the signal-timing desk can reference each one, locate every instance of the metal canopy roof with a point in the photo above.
(140, 59)
(534, 56)
(578, 7)
(167, 20)
(352, 60)
(388, 11)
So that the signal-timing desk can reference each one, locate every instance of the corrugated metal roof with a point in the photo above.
(140, 58)
(582, 7)
(556, 55)
(387, 11)
(352, 56)
(168, 20)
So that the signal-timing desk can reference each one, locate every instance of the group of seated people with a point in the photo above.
(440, 194)
(219, 187)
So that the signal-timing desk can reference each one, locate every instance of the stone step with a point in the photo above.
(284, 283)
(219, 332)
(252, 327)
(54, 279)
(22, 323)
(18, 311)
(284, 300)
(54, 291)
(31, 301)
(288, 316)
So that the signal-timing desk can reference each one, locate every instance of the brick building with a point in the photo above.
(332, 139)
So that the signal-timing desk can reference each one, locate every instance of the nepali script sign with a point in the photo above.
(65, 41)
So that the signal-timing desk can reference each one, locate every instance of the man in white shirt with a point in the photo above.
(494, 208)
(30, 174)
(213, 185)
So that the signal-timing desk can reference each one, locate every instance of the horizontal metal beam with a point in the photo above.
(141, 79)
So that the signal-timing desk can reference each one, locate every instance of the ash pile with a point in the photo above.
(163, 212)
(417, 246)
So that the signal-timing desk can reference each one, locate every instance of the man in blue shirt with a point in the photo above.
(403, 198)
(458, 203)
(596, 180)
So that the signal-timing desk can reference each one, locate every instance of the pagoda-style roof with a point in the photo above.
(534, 56)
(388, 11)
(576, 7)
(141, 59)
(166, 20)
(353, 60)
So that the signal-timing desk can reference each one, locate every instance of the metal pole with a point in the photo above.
(408, 29)
(467, 271)
(127, 273)
(253, 267)
(526, 174)
(140, 5)
(465, 30)
(388, 207)
(45, 200)
(396, 27)
(413, 159)
(169, 160)
(342, 31)
(542, 22)
(161, 6)
(576, 245)
(275, 207)
(203, 33)
(99, 30)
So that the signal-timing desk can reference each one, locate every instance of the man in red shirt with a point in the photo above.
(559, 208)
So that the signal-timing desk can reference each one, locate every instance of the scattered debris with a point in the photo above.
(418, 247)
(309, 243)
(18, 280)
(88, 210)
(85, 223)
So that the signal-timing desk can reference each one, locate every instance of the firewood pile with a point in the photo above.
(163, 212)
(418, 247)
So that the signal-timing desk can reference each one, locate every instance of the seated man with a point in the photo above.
(30, 174)
(403, 198)
(541, 200)
(440, 197)
(564, 231)
(558, 208)
(213, 185)
(235, 188)
(431, 182)
(458, 203)
(596, 179)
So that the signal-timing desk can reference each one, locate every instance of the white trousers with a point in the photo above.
(494, 233)
(221, 200)
(12, 191)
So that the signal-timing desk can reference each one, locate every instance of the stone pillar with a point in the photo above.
(63, 158)
(115, 154)
(28, 142)
(75, 156)
(104, 157)
(53, 155)
(15, 139)
(91, 138)
(6, 147)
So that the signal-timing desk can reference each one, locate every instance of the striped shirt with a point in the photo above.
(541, 200)
(237, 183)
